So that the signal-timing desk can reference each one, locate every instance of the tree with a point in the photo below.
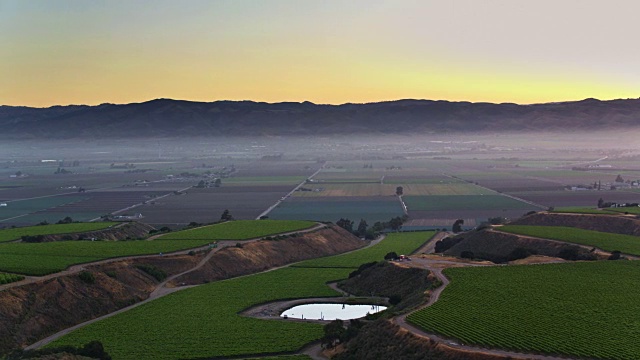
(345, 224)
(399, 191)
(619, 179)
(200, 184)
(362, 228)
(600, 202)
(217, 183)
(396, 223)
(457, 226)
(226, 215)
(391, 256)
(66, 220)
(333, 331)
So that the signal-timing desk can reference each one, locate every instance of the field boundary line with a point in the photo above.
(290, 193)
(504, 194)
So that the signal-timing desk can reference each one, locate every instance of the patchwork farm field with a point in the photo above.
(627, 244)
(206, 205)
(371, 209)
(17, 233)
(208, 324)
(585, 198)
(538, 308)
(25, 207)
(321, 189)
(465, 202)
(239, 230)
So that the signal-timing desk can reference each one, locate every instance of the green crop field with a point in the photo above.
(263, 180)
(17, 233)
(202, 322)
(377, 189)
(23, 207)
(49, 257)
(587, 309)
(9, 278)
(401, 243)
(627, 244)
(464, 202)
(354, 208)
(580, 210)
(630, 210)
(239, 230)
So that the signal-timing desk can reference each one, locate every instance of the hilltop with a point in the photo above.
(178, 118)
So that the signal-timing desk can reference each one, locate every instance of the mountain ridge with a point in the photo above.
(178, 118)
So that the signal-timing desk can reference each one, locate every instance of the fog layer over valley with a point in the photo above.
(175, 181)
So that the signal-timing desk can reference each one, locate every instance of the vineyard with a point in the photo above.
(239, 230)
(202, 322)
(50, 257)
(578, 309)
(9, 278)
(401, 243)
(17, 233)
(627, 244)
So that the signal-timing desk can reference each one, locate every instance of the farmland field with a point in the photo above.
(465, 202)
(371, 209)
(581, 210)
(17, 233)
(239, 230)
(576, 309)
(9, 278)
(565, 198)
(401, 243)
(206, 205)
(627, 244)
(323, 189)
(208, 325)
(24, 207)
(50, 257)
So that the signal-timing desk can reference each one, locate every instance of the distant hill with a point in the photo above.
(168, 118)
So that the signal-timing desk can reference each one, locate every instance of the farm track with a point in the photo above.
(142, 203)
(290, 193)
(504, 194)
(161, 290)
(436, 267)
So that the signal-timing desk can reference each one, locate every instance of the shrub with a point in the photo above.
(614, 255)
(87, 277)
(467, 254)
(154, 271)
(391, 256)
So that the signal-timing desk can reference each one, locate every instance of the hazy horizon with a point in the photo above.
(330, 52)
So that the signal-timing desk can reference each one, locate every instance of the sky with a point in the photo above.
(55, 52)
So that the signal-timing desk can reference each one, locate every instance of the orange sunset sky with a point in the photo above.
(92, 52)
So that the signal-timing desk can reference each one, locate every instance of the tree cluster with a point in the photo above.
(364, 231)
